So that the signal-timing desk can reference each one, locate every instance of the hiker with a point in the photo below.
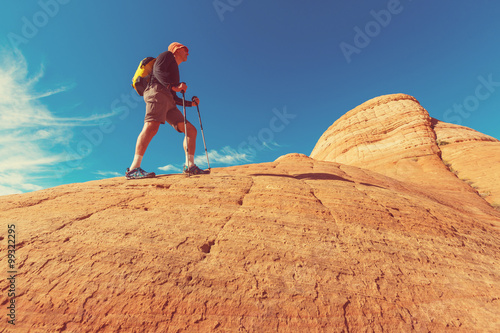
(161, 100)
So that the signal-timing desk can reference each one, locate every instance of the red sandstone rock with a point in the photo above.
(395, 136)
(295, 245)
(473, 157)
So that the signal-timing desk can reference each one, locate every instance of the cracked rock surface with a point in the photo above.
(294, 245)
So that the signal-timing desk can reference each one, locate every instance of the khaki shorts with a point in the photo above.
(161, 107)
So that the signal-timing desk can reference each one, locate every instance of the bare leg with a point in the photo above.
(148, 132)
(189, 143)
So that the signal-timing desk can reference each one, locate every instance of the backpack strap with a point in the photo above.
(151, 77)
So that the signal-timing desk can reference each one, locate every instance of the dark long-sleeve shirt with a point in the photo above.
(166, 73)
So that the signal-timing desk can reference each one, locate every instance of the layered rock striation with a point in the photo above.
(474, 157)
(394, 135)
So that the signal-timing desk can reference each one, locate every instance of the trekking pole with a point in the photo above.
(202, 134)
(185, 127)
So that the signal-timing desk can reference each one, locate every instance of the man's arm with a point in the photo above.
(178, 100)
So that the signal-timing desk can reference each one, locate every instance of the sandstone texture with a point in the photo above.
(300, 244)
(473, 157)
(395, 136)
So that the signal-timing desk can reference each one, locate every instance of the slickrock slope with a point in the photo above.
(295, 245)
(394, 135)
(474, 157)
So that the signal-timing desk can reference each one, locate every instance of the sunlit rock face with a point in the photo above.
(373, 232)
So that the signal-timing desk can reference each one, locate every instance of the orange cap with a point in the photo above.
(175, 46)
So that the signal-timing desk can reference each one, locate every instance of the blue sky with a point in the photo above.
(272, 76)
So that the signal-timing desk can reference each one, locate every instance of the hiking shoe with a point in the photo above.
(194, 170)
(138, 173)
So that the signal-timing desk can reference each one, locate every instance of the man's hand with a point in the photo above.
(195, 100)
(182, 87)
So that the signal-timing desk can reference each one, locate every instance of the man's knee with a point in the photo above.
(151, 127)
(191, 130)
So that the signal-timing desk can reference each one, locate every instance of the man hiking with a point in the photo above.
(161, 100)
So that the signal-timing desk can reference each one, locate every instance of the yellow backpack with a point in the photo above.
(143, 74)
